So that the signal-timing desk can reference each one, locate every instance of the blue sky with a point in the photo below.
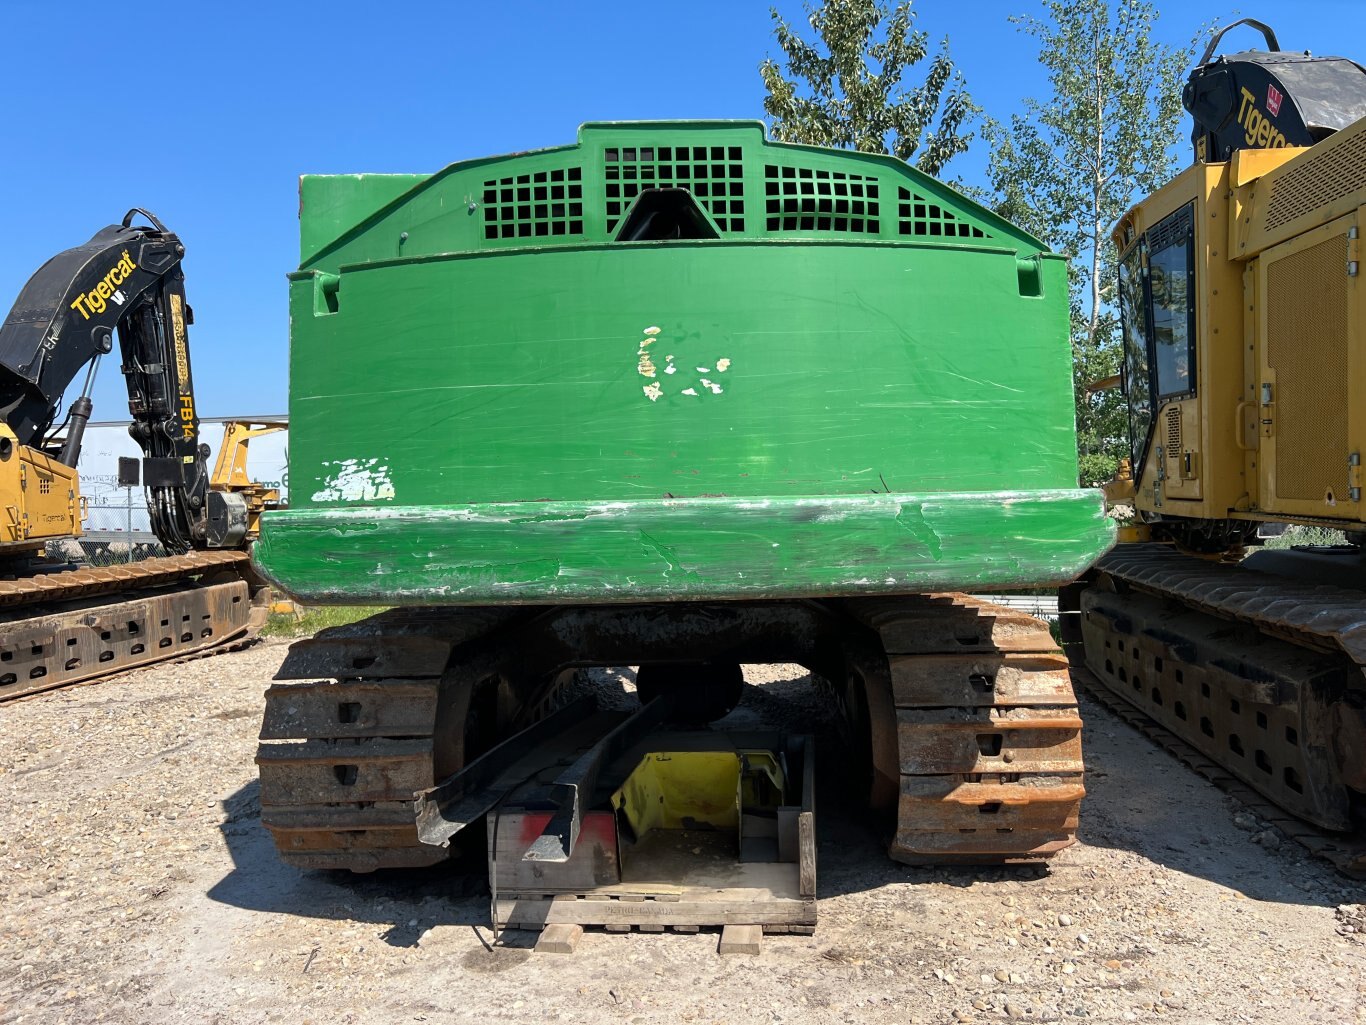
(207, 113)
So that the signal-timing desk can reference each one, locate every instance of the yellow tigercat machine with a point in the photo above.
(62, 622)
(1242, 300)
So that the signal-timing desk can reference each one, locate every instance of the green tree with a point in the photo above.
(1073, 163)
(851, 95)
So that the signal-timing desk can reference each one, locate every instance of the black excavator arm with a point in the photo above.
(127, 280)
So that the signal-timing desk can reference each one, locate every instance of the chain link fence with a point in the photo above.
(117, 528)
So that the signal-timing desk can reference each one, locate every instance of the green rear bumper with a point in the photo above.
(688, 549)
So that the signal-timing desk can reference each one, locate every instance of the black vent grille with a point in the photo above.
(809, 199)
(925, 218)
(713, 174)
(534, 205)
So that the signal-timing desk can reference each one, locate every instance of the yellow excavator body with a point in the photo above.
(1243, 313)
(1260, 397)
(40, 497)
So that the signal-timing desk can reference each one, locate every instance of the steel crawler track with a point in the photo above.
(60, 629)
(94, 580)
(1260, 676)
(987, 740)
(1347, 853)
(342, 758)
(968, 709)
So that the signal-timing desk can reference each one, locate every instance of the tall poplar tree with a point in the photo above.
(846, 88)
(1074, 162)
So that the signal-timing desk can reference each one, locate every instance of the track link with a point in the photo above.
(1260, 676)
(61, 628)
(987, 732)
(71, 584)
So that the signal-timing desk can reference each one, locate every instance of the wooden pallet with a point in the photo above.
(679, 880)
(774, 908)
(735, 939)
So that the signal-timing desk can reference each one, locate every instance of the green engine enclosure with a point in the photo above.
(860, 385)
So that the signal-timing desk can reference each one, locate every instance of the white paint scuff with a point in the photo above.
(647, 367)
(355, 480)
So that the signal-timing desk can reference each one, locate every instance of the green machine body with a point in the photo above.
(673, 361)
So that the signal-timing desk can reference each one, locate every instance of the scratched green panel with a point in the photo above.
(518, 377)
(695, 548)
(843, 413)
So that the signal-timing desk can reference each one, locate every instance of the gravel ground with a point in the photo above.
(137, 885)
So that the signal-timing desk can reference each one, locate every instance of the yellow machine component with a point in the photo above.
(1119, 499)
(41, 505)
(41, 497)
(682, 790)
(1258, 409)
(698, 789)
(230, 471)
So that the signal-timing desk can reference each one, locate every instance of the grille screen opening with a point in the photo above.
(809, 199)
(1310, 186)
(660, 215)
(542, 204)
(713, 174)
(925, 218)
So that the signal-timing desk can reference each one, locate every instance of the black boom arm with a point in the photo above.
(127, 280)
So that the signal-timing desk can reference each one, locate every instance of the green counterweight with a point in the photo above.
(812, 373)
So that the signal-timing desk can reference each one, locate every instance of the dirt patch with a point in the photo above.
(138, 885)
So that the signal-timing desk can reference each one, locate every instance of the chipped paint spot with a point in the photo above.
(675, 568)
(645, 366)
(670, 369)
(689, 391)
(704, 370)
(653, 391)
(722, 365)
(715, 388)
(355, 480)
(911, 518)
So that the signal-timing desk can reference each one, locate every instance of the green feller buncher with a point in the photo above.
(678, 397)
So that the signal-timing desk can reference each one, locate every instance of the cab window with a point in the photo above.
(1171, 287)
(1133, 322)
